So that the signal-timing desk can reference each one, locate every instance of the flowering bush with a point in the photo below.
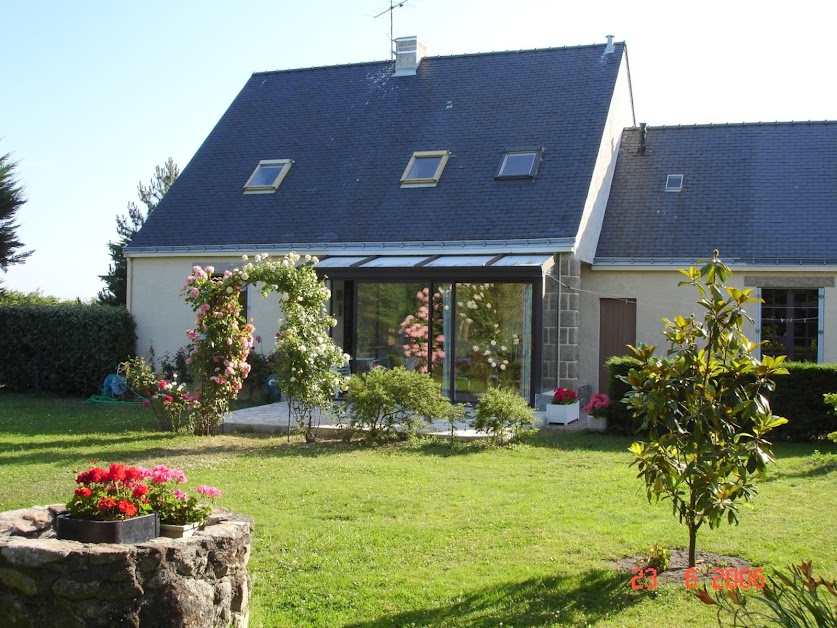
(598, 405)
(564, 396)
(119, 492)
(222, 340)
(122, 492)
(174, 505)
(172, 403)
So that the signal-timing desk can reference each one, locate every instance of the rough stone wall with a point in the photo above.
(193, 582)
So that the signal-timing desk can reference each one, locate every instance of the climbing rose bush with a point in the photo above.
(222, 339)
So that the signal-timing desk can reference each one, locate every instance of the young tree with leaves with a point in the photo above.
(116, 292)
(11, 200)
(705, 407)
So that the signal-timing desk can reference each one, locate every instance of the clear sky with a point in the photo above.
(95, 94)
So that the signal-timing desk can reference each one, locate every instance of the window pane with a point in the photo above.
(266, 175)
(517, 165)
(392, 326)
(790, 323)
(493, 338)
(424, 168)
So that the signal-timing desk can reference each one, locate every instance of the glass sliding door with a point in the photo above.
(493, 338)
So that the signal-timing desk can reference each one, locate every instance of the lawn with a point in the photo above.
(427, 534)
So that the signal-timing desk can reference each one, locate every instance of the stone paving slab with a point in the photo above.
(275, 418)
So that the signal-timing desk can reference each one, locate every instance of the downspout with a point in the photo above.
(130, 283)
(558, 328)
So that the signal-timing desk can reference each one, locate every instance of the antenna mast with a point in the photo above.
(392, 6)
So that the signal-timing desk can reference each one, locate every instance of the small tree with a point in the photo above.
(705, 407)
(116, 279)
(11, 200)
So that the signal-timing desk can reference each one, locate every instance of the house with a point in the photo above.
(448, 198)
(495, 218)
(763, 194)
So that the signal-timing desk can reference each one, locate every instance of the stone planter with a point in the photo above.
(562, 413)
(597, 423)
(165, 583)
(174, 531)
(133, 530)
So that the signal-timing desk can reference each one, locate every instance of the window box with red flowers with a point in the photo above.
(597, 412)
(564, 407)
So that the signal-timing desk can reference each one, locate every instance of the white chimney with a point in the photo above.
(409, 52)
(609, 49)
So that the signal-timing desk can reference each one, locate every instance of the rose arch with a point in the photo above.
(222, 338)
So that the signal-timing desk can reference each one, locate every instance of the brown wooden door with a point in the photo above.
(617, 329)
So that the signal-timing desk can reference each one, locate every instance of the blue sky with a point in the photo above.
(96, 94)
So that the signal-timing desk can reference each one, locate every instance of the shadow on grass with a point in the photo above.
(576, 600)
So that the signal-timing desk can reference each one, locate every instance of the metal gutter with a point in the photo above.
(535, 245)
(753, 264)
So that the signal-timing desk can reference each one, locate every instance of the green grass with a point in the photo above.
(426, 534)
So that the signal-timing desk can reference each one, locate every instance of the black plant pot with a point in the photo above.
(133, 530)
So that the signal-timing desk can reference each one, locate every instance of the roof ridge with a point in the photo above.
(707, 125)
(450, 56)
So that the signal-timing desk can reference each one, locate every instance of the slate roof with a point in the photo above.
(760, 193)
(351, 130)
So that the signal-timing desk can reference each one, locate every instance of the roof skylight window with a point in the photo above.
(267, 176)
(520, 164)
(674, 183)
(424, 168)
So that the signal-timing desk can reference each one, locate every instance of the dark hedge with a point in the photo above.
(798, 398)
(65, 349)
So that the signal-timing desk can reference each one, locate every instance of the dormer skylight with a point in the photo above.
(520, 164)
(267, 176)
(424, 168)
(674, 183)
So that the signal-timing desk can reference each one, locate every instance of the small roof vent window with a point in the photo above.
(520, 164)
(674, 183)
(424, 168)
(267, 176)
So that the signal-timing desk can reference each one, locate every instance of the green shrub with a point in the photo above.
(503, 414)
(65, 349)
(799, 398)
(619, 418)
(384, 399)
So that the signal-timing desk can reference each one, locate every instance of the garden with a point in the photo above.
(425, 533)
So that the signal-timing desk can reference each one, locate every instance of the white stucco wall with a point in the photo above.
(620, 115)
(658, 296)
(163, 316)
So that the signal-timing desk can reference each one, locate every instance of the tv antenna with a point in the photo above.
(393, 4)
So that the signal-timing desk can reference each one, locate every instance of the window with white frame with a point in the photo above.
(791, 323)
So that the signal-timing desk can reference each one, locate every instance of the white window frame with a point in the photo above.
(673, 188)
(425, 182)
(820, 323)
(249, 188)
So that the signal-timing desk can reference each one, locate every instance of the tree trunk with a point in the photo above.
(692, 543)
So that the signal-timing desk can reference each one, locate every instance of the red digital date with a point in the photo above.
(644, 578)
(729, 578)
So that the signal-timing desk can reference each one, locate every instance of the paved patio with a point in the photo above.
(275, 418)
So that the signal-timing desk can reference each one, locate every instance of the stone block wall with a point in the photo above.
(563, 297)
(197, 581)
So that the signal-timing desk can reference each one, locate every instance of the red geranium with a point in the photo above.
(564, 396)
